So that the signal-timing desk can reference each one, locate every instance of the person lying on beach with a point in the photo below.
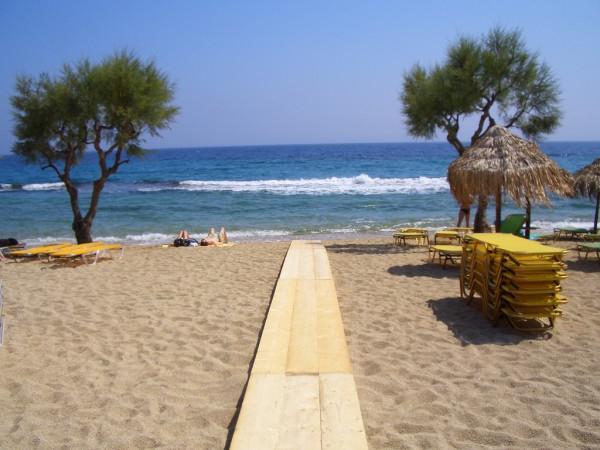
(183, 239)
(213, 239)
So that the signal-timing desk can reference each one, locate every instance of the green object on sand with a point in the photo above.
(513, 223)
(588, 248)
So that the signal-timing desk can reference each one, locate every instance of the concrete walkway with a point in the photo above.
(301, 393)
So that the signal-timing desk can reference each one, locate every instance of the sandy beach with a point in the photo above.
(154, 350)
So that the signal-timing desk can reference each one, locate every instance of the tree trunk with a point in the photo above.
(480, 224)
(527, 218)
(498, 221)
(81, 227)
(83, 230)
(596, 215)
(98, 186)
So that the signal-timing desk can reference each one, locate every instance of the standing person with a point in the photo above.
(465, 211)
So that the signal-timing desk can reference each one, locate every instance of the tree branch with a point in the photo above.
(516, 117)
(52, 166)
(117, 163)
(111, 149)
(101, 154)
(491, 123)
(452, 127)
(484, 116)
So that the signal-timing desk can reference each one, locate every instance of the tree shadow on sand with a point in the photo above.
(470, 327)
(372, 249)
(425, 270)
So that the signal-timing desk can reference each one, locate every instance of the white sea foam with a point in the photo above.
(277, 235)
(362, 184)
(43, 186)
(6, 187)
(547, 225)
(241, 234)
(163, 238)
(45, 240)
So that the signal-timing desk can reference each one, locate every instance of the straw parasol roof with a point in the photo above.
(501, 161)
(587, 183)
(587, 180)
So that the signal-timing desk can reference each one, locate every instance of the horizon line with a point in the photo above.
(187, 147)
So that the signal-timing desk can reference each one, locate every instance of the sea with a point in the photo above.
(266, 193)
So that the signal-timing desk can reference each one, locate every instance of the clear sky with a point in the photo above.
(276, 72)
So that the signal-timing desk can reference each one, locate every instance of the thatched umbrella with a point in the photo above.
(587, 183)
(502, 162)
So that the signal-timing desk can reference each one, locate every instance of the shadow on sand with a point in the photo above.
(425, 270)
(372, 249)
(590, 265)
(470, 327)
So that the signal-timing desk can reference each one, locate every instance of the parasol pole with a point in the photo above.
(527, 218)
(596, 215)
(498, 208)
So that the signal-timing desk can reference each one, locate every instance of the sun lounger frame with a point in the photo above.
(448, 254)
(420, 235)
(587, 249)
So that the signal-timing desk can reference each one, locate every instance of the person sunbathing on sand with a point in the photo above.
(214, 239)
(184, 240)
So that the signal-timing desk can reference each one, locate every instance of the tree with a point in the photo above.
(105, 107)
(492, 79)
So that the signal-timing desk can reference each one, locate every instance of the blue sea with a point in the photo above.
(263, 193)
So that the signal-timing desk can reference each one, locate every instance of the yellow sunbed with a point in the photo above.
(38, 251)
(83, 250)
(448, 235)
(448, 252)
(420, 235)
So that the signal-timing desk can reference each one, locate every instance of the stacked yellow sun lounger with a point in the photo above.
(515, 278)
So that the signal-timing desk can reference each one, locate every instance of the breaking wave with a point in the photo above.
(43, 186)
(362, 184)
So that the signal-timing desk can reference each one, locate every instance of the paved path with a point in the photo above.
(301, 393)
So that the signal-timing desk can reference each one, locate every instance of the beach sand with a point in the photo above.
(154, 350)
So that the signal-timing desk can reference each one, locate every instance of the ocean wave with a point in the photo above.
(546, 225)
(43, 186)
(8, 187)
(332, 232)
(362, 184)
(46, 240)
(164, 238)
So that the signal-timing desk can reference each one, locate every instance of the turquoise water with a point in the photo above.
(263, 192)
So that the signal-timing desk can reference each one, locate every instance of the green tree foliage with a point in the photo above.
(494, 79)
(106, 108)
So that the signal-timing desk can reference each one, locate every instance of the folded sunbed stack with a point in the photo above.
(515, 278)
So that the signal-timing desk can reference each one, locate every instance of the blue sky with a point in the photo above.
(272, 72)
